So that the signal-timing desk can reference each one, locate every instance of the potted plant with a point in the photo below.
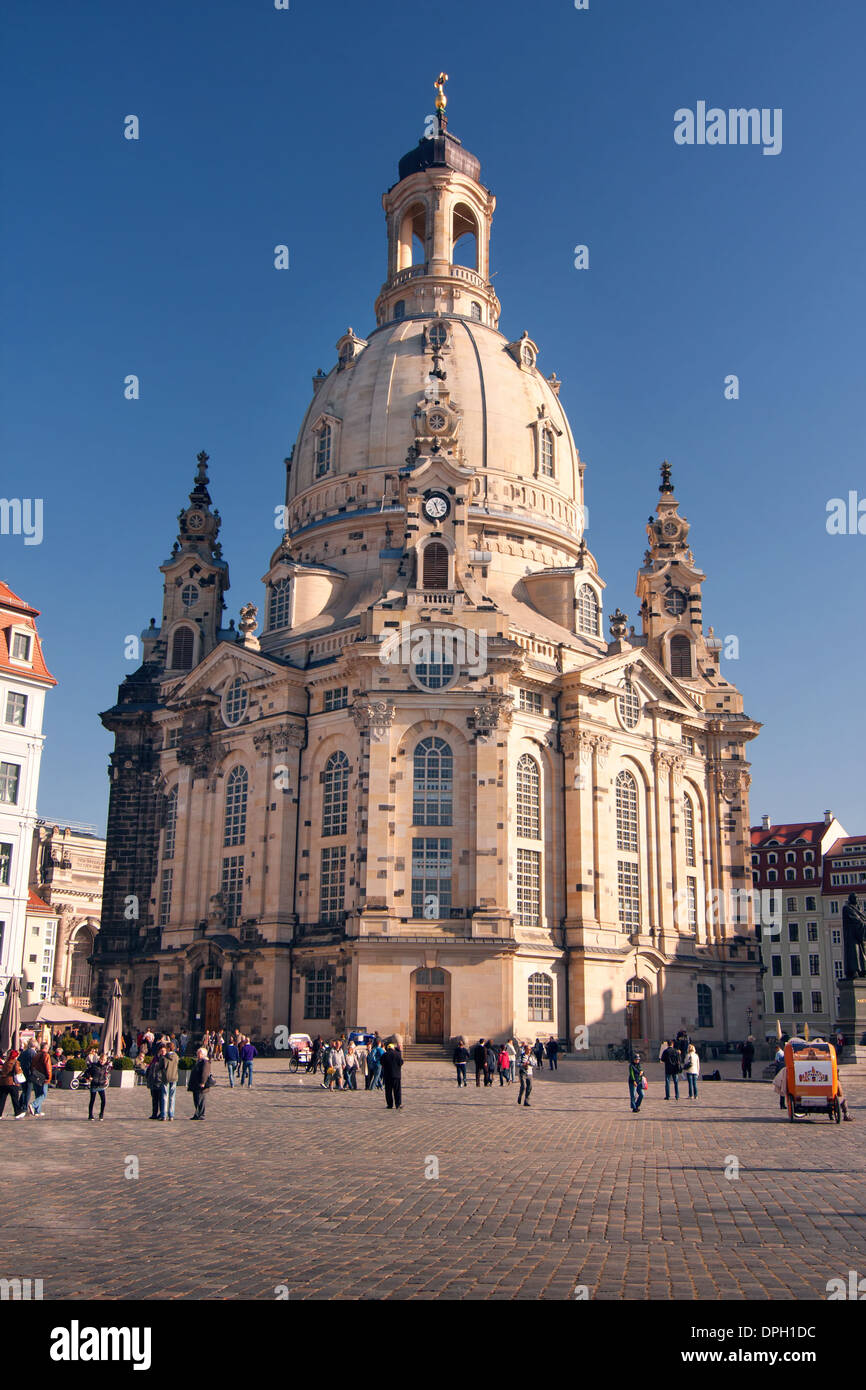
(122, 1072)
(74, 1066)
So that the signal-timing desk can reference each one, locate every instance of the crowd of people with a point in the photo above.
(511, 1061)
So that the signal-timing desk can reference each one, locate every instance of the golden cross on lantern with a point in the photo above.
(441, 99)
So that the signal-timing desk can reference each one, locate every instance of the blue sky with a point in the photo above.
(261, 126)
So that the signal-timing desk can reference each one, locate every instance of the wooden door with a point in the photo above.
(212, 1001)
(429, 1017)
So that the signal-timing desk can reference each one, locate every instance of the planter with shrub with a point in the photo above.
(122, 1072)
(74, 1067)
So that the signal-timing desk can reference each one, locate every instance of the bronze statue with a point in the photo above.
(854, 939)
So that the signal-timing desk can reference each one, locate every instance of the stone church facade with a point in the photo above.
(424, 792)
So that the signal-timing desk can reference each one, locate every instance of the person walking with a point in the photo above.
(338, 1065)
(552, 1050)
(460, 1058)
(315, 1054)
(673, 1067)
(377, 1055)
(96, 1075)
(524, 1072)
(168, 1083)
(247, 1052)
(154, 1080)
(231, 1057)
(692, 1070)
(184, 1039)
(199, 1077)
(748, 1058)
(489, 1063)
(392, 1064)
(26, 1060)
(538, 1050)
(636, 1083)
(350, 1070)
(503, 1065)
(512, 1058)
(40, 1078)
(11, 1080)
(479, 1057)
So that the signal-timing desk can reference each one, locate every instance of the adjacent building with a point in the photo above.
(800, 956)
(432, 794)
(844, 872)
(66, 872)
(27, 927)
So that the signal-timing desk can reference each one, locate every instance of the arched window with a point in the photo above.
(236, 807)
(528, 798)
(79, 968)
(335, 795)
(705, 1006)
(626, 812)
(170, 824)
(475, 311)
(772, 875)
(150, 998)
(771, 858)
(689, 823)
(323, 450)
(681, 655)
(790, 874)
(429, 975)
(399, 313)
(588, 610)
(433, 783)
(182, 648)
(540, 998)
(629, 705)
(235, 700)
(464, 238)
(435, 568)
(546, 462)
(278, 604)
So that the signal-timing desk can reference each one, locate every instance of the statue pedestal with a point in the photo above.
(852, 1019)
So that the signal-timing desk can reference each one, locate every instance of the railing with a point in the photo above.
(440, 598)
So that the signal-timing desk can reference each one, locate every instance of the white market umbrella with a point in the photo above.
(55, 1014)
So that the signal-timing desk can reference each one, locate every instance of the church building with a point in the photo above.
(422, 789)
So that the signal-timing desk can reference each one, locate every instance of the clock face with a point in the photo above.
(195, 521)
(436, 420)
(670, 528)
(436, 507)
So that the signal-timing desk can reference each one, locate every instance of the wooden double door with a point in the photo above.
(212, 1007)
(429, 1016)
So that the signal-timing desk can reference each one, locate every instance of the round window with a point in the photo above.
(235, 701)
(437, 335)
(675, 602)
(189, 595)
(436, 420)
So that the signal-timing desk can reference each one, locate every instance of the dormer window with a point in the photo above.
(22, 646)
(588, 611)
(279, 604)
(323, 450)
(546, 462)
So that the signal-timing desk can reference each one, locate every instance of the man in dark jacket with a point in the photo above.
(682, 1046)
(392, 1063)
(673, 1067)
(231, 1057)
(461, 1057)
(153, 1077)
(748, 1059)
(248, 1052)
(198, 1079)
(479, 1057)
(489, 1063)
(168, 1067)
(96, 1076)
(315, 1054)
(552, 1053)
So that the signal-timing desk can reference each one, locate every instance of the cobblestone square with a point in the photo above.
(327, 1194)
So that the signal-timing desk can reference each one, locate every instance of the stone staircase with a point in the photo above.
(426, 1052)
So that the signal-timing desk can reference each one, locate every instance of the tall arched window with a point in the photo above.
(681, 655)
(323, 450)
(546, 454)
(540, 998)
(278, 603)
(236, 807)
(335, 795)
(399, 313)
(705, 1006)
(433, 783)
(182, 648)
(170, 824)
(435, 567)
(79, 968)
(475, 311)
(150, 998)
(588, 611)
(528, 798)
(689, 824)
(626, 812)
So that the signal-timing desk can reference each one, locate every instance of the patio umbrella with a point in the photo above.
(111, 1037)
(10, 1019)
(56, 1014)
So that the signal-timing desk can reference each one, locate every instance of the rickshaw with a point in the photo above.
(301, 1048)
(811, 1078)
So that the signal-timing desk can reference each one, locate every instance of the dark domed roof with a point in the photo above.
(440, 151)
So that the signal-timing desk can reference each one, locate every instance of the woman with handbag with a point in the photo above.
(40, 1079)
(692, 1071)
(11, 1081)
(199, 1081)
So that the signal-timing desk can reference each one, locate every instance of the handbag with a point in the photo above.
(19, 1078)
(645, 1085)
(211, 1081)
